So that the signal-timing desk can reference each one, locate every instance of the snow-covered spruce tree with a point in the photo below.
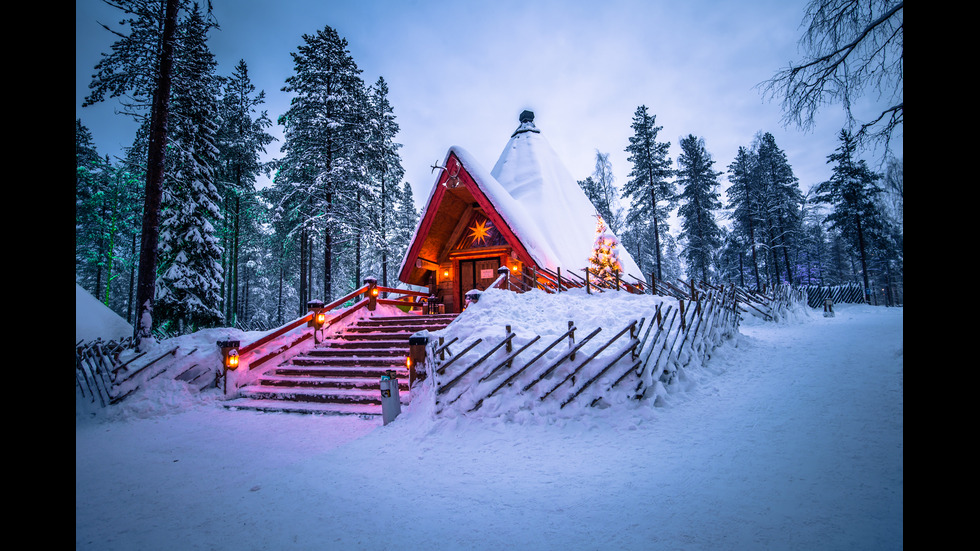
(385, 173)
(699, 199)
(91, 181)
(140, 69)
(242, 138)
(780, 201)
(649, 187)
(189, 285)
(744, 198)
(604, 260)
(852, 192)
(406, 219)
(321, 139)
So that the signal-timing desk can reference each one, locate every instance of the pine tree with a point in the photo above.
(649, 186)
(89, 185)
(744, 195)
(242, 137)
(699, 199)
(406, 219)
(140, 67)
(189, 287)
(780, 201)
(852, 191)
(385, 172)
(321, 139)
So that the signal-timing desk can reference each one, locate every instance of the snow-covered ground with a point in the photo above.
(790, 437)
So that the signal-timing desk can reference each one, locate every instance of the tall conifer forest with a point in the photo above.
(232, 254)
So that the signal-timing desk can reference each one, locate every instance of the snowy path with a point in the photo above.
(791, 440)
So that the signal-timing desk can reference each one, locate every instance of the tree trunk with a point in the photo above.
(302, 271)
(656, 228)
(132, 280)
(234, 260)
(864, 260)
(156, 157)
(328, 253)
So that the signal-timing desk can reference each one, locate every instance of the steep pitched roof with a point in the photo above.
(529, 195)
(530, 171)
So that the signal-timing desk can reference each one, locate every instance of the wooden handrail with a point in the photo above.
(277, 333)
(294, 324)
(405, 292)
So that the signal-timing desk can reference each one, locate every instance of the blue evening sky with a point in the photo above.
(460, 72)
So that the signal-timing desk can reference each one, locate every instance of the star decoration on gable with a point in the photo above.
(480, 231)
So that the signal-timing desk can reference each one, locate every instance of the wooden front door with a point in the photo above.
(477, 273)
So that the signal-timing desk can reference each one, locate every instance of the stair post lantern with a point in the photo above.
(229, 359)
(318, 317)
(372, 292)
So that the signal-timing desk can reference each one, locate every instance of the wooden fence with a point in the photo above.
(589, 366)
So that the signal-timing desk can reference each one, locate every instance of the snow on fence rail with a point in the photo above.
(106, 372)
(586, 366)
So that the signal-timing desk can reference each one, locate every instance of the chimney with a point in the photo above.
(527, 123)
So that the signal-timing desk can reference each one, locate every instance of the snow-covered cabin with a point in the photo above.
(527, 213)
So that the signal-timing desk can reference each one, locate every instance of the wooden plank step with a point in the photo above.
(327, 371)
(406, 329)
(327, 382)
(342, 396)
(407, 320)
(428, 317)
(334, 352)
(353, 344)
(384, 361)
(368, 411)
(374, 336)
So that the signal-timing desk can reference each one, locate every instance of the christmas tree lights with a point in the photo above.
(604, 261)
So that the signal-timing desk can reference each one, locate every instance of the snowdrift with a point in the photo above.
(535, 353)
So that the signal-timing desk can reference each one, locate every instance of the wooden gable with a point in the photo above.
(460, 223)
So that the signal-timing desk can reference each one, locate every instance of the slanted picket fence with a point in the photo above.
(588, 366)
(106, 372)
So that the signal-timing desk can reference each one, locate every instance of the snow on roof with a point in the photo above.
(532, 174)
(539, 199)
(94, 320)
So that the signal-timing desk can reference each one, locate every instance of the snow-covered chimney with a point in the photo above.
(527, 123)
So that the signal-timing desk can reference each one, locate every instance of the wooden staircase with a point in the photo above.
(342, 374)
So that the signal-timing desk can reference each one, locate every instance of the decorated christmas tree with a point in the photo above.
(604, 261)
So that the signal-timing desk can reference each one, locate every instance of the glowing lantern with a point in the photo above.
(231, 359)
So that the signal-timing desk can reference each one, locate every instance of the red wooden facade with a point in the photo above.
(461, 241)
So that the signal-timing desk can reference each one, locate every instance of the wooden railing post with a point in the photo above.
(372, 292)
(318, 317)
(504, 272)
(416, 356)
(571, 338)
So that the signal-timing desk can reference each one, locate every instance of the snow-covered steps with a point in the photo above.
(342, 374)
(281, 406)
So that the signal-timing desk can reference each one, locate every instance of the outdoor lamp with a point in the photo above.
(229, 353)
